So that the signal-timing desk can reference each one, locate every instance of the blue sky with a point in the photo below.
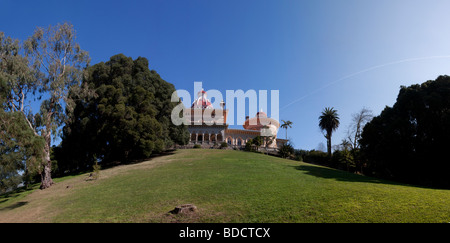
(346, 54)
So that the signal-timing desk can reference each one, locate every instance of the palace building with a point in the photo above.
(208, 126)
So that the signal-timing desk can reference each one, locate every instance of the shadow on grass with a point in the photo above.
(339, 175)
(14, 206)
(5, 197)
(136, 161)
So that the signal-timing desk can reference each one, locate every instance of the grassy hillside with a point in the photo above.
(226, 186)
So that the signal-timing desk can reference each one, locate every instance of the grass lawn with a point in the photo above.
(226, 186)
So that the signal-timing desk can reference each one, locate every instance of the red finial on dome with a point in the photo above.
(202, 102)
(261, 114)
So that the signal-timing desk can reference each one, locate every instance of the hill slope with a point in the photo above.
(227, 186)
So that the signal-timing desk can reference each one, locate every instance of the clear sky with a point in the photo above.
(346, 54)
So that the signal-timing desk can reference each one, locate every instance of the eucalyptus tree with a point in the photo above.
(20, 146)
(60, 63)
(355, 129)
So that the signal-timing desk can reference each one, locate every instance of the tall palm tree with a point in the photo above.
(329, 122)
(286, 125)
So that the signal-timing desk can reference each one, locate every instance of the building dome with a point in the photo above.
(261, 114)
(261, 121)
(202, 102)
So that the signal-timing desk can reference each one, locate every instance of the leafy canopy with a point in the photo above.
(410, 141)
(128, 117)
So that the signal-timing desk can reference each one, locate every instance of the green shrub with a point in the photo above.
(317, 157)
(197, 146)
(95, 174)
(300, 154)
(344, 160)
(249, 145)
(286, 150)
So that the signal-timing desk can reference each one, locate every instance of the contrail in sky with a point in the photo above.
(363, 71)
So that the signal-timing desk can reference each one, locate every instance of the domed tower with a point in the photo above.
(207, 125)
(202, 101)
(266, 126)
(261, 121)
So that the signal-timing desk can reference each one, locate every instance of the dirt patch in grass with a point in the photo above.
(37, 206)
(33, 207)
(200, 216)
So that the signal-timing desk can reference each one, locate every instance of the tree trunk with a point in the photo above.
(46, 174)
(329, 145)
